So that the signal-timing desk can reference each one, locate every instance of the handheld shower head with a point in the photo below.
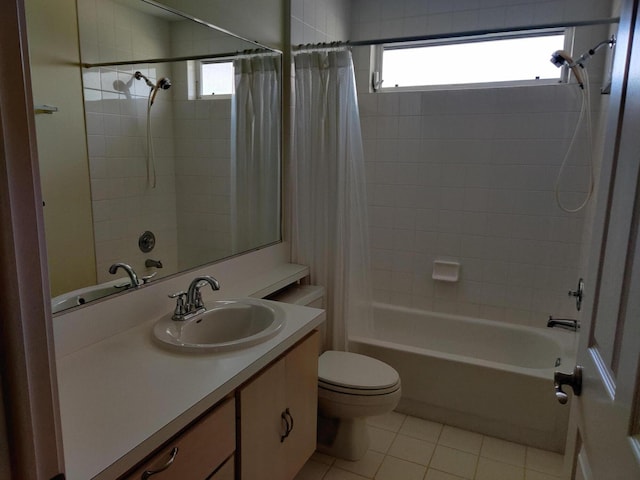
(561, 58)
(164, 83)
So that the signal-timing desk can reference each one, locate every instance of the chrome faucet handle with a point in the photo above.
(181, 305)
(147, 278)
(578, 293)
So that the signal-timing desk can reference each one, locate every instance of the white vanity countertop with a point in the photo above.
(122, 397)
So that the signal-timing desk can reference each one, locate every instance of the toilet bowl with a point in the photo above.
(351, 387)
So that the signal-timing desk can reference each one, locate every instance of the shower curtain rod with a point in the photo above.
(468, 33)
(208, 56)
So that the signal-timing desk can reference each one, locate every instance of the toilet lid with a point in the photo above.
(355, 371)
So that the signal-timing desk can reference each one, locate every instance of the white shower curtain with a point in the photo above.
(255, 152)
(329, 214)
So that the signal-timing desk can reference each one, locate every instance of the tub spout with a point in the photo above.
(566, 323)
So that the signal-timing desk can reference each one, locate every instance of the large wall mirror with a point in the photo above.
(183, 130)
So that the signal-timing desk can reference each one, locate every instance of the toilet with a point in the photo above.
(351, 387)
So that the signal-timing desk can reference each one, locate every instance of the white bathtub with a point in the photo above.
(485, 376)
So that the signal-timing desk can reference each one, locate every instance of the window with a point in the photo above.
(215, 79)
(488, 59)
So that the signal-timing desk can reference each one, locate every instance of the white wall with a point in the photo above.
(468, 174)
(62, 148)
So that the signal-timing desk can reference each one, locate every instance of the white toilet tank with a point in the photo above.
(307, 295)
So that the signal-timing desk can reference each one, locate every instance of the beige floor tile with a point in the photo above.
(397, 469)
(367, 466)
(545, 462)
(312, 470)
(460, 439)
(335, 473)
(323, 458)
(390, 421)
(381, 439)
(422, 429)
(533, 475)
(493, 470)
(438, 475)
(454, 461)
(412, 449)
(503, 451)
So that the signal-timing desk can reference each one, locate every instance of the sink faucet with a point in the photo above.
(190, 303)
(127, 268)
(194, 297)
(566, 323)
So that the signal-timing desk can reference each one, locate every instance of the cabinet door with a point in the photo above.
(226, 471)
(261, 425)
(200, 449)
(302, 402)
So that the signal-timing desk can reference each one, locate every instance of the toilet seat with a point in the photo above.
(355, 374)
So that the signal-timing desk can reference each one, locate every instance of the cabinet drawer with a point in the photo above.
(201, 448)
(226, 471)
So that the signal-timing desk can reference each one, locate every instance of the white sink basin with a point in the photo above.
(88, 294)
(225, 325)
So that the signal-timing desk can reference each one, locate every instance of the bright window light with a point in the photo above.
(216, 78)
(524, 58)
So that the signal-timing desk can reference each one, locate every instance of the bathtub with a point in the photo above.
(480, 375)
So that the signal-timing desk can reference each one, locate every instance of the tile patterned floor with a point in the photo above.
(409, 448)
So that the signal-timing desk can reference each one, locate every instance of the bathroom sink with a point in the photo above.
(224, 325)
(88, 294)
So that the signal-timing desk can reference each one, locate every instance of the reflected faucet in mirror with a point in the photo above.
(150, 263)
(133, 277)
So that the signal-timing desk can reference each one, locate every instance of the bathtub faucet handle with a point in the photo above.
(574, 380)
(578, 293)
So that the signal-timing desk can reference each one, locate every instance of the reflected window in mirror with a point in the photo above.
(214, 79)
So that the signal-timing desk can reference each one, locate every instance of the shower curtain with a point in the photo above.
(255, 152)
(328, 205)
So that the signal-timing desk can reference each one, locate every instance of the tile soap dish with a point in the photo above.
(446, 271)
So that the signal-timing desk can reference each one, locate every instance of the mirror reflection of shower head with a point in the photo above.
(164, 83)
(140, 76)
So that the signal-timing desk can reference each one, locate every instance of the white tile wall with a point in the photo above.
(203, 164)
(115, 104)
(469, 174)
(314, 21)
(190, 206)
(386, 18)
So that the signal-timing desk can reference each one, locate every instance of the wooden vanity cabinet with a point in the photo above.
(204, 448)
(277, 415)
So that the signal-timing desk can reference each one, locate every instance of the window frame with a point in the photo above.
(198, 64)
(377, 66)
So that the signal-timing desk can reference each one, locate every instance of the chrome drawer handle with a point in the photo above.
(286, 416)
(172, 456)
(287, 431)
